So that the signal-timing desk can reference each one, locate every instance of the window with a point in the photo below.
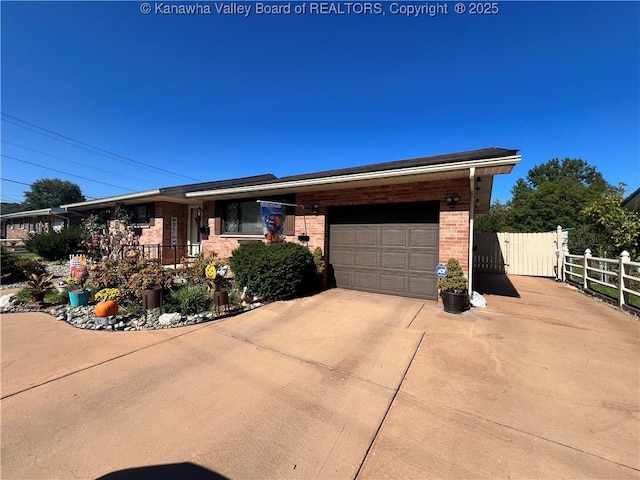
(244, 217)
(140, 214)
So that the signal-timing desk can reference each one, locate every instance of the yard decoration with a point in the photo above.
(106, 308)
(453, 288)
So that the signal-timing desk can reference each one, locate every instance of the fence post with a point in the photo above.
(623, 297)
(559, 254)
(585, 274)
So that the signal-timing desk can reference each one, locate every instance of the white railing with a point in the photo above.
(620, 274)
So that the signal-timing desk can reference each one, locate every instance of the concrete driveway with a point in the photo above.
(338, 385)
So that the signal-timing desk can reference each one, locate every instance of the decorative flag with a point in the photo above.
(273, 217)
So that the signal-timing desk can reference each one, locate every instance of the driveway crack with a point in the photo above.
(386, 413)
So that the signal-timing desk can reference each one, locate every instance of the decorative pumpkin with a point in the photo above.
(211, 271)
(106, 308)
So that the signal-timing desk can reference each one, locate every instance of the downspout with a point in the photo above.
(472, 207)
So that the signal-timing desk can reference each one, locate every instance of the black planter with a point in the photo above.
(454, 302)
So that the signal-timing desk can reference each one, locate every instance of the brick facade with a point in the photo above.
(453, 229)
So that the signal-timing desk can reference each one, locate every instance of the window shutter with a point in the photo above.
(217, 209)
(290, 222)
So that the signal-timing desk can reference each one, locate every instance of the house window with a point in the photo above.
(243, 217)
(140, 214)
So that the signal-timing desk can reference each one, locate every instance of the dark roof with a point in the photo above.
(632, 202)
(229, 183)
(481, 154)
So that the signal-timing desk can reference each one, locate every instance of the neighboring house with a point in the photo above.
(632, 202)
(382, 227)
(17, 226)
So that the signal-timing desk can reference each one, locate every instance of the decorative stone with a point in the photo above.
(8, 301)
(169, 318)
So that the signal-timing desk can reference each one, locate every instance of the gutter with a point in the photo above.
(494, 162)
(129, 196)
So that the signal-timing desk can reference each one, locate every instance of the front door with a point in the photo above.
(193, 237)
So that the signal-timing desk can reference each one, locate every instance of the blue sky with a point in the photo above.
(209, 97)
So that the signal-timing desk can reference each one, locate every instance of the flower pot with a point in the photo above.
(221, 301)
(454, 302)
(37, 297)
(152, 298)
(79, 297)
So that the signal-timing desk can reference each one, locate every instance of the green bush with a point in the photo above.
(55, 245)
(275, 271)
(189, 300)
(11, 272)
(455, 281)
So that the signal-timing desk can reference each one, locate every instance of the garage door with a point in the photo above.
(390, 249)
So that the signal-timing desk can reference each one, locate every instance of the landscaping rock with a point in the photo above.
(169, 318)
(8, 301)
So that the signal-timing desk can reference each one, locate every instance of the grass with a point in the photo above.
(610, 292)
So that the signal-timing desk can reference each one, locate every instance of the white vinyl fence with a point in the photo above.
(532, 254)
(620, 277)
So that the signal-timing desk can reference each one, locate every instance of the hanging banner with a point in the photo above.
(273, 217)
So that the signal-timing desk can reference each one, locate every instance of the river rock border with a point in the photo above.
(84, 316)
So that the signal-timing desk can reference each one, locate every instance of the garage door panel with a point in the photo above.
(344, 278)
(365, 281)
(393, 237)
(396, 284)
(420, 286)
(341, 257)
(422, 262)
(423, 238)
(397, 260)
(366, 237)
(368, 258)
(343, 236)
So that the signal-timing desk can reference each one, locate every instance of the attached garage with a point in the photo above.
(391, 248)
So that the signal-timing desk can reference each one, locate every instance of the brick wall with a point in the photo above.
(454, 222)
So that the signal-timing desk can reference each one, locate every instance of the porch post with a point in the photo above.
(472, 202)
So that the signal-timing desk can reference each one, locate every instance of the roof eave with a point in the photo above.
(507, 162)
(116, 198)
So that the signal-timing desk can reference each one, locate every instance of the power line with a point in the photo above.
(82, 145)
(15, 181)
(73, 161)
(66, 173)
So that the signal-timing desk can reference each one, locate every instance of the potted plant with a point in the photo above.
(78, 294)
(453, 288)
(38, 285)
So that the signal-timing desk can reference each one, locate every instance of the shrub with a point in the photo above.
(194, 271)
(11, 271)
(190, 299)
(30, 266)
(275, 271)
(455, 281)
(107, 294)
(131, 276)
(55, 245)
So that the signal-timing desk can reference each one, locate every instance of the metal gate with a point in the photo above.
(532, 254)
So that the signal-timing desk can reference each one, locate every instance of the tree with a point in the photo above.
(556, 193)
(497, 220)
(51, 192)
(619, 226)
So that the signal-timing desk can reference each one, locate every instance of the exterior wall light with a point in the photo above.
(452, 200)
(315, 208)
(478, 184)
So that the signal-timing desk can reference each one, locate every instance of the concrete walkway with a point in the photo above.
(338, 385)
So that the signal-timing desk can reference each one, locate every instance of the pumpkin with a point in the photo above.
(106, 308)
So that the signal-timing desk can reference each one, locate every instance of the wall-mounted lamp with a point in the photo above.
(477, 204)
(452, 200)
(478, 184)
(199, 212)
(315, 208)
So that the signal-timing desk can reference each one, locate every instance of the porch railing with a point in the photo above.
(165, 254)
